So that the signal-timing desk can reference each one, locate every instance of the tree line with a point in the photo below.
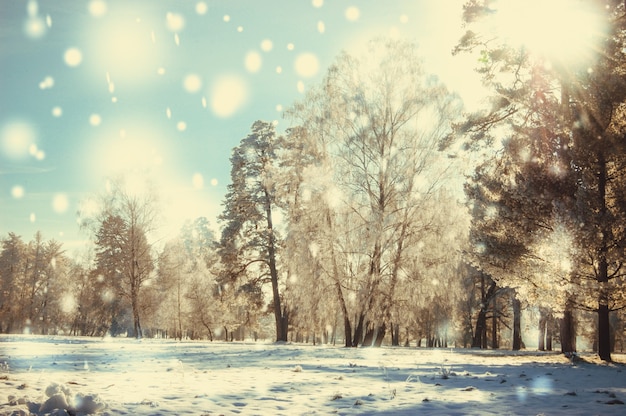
(385, 213)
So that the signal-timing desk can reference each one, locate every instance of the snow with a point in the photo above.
(229, 94)
(307, 65)
(73, 57)
(163, 377)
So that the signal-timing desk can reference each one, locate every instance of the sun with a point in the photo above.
(562, 32)
(126, 47)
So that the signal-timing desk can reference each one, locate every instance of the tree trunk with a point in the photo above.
(604, 332)
(517, 324)
(281, 335)
(494, 324)
(380, 335)
(481, 326)
(368, 339)
(543, 324)
(568, 330)
(395, 335)
(179, 308)
(549, 332)
(347, 326)
(284, 322)
(135, 307)
(358, 332)
(604, 327)
(480, 330)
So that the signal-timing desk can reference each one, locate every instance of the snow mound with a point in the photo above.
(60, 401)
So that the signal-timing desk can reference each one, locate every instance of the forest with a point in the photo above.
(386, 214)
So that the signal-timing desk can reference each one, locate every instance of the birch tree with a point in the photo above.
(379, 122)
(121, 224)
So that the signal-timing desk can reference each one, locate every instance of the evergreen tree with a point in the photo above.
(559, 127)
(250, 243)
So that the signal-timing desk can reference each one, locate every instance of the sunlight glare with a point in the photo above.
(352, 13)
(201, 8)
(123, 47)
(35, 27)
(36, 152)
(48, 82)
(192, 83)
(95, 120)
(32, 8)
(267, 45)
(73, 57)
(174, 22)
(60, 203)
(228, 95)
(97, 8)
(253, 62)
(559, 30)
(16, 138)
(136, 148)
(307, 65)
(197, 181)
(68, 303)
(88, 208)
(136, 184)
(17, 192)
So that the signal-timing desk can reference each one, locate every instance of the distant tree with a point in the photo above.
(33, 280)
(188, 289)
(201, 247)
(13, 260)
(123, 254)
(94, 300)
(47, 283)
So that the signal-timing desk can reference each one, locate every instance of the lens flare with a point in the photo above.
(253, 62)
(192, 83)
(73, 57)
(307, 65)
(60, 203)
(229, 94)
(16, 139)
(353, 13)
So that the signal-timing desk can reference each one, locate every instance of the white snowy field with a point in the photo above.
(157, 377)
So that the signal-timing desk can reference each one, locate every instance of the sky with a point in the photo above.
(97, 88)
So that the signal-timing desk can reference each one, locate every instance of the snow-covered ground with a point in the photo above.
(156, 377)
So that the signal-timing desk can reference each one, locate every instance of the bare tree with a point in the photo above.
(121, 228)
(376, 127)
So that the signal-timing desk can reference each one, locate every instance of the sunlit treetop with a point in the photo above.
(559, 32)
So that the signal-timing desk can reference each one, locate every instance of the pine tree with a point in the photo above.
(250, 243)
(560, 127)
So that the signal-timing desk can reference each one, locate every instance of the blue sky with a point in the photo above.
(94, 88)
